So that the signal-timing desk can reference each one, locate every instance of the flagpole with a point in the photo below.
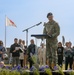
(5, 31)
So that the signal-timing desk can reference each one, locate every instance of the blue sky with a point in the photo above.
(26, 13)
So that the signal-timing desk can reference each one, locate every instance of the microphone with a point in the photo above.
(39, 23)
(32, 26)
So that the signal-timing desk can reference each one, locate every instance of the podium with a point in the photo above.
(42, 37)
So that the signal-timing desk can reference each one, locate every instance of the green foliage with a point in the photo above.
(60, 71)
(36, 72)
(14, 72)
(71, 73)
(48, 71)
(25, 73)
(4, 72)
(34, 59)
(8, 72)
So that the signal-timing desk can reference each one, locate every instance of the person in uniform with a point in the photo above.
(52, 29)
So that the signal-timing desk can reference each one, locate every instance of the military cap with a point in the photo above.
(49, 14)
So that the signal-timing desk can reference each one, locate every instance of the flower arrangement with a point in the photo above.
(17, 70)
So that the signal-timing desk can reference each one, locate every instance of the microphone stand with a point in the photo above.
(27, 32)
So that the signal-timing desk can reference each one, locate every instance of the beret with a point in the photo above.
(49, 14)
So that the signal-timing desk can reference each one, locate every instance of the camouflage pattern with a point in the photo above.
(53, 29)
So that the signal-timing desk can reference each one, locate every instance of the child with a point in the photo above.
(60, 54)
(68, 56)
(42, 55)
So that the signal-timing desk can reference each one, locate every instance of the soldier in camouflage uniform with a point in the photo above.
(51, 28)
